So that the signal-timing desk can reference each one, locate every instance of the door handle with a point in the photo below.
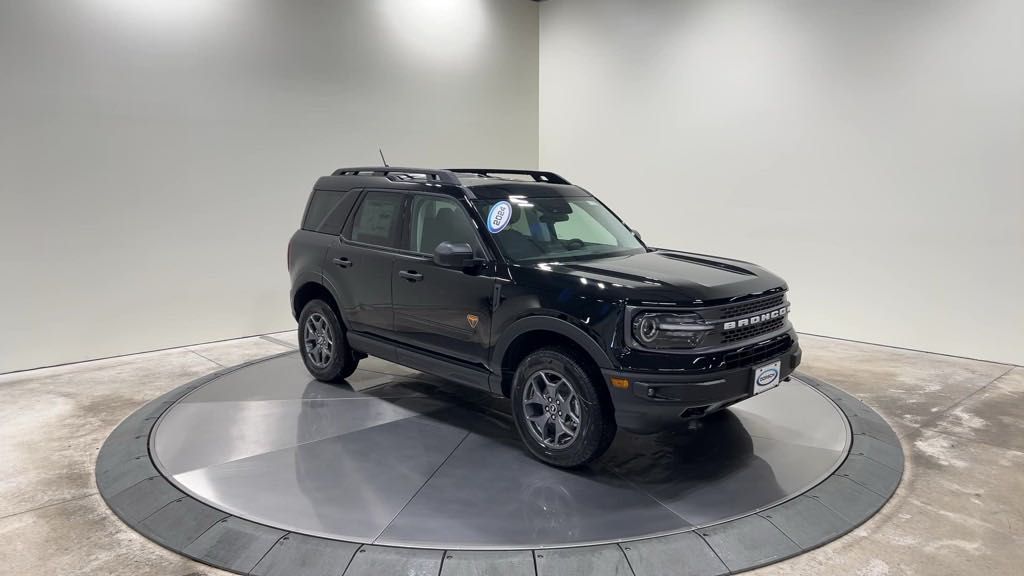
(411, 275)
(343, 262)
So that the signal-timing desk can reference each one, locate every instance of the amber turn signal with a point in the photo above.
(621, 383)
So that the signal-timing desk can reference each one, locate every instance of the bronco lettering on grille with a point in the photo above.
(764, 317)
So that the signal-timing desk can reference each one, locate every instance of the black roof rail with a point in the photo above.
(444, 176)
(538, 175)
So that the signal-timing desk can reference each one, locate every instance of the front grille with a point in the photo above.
(748, 308)
(750, 355)
(752, 330)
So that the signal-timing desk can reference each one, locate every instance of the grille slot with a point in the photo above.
(752, 330)
(748, 308)
(750, 355)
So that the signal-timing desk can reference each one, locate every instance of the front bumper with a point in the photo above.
(656, 400)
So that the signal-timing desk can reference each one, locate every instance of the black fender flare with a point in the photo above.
(308, 279)
(300, 281)
(325, 281)
(549, 324)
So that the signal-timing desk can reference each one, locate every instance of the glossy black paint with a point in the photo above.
(434, 312)
(360, 278)
(468, 324)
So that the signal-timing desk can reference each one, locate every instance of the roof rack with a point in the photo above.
(444, 176)
(538, 175)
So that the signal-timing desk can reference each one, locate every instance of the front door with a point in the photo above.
(439, 309)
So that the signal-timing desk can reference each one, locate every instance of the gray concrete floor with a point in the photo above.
(959, 510)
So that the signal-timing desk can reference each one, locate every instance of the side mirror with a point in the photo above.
(454, 255)
(637, 234)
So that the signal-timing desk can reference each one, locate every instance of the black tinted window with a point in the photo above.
(376, 221)
(326, 212)
(435, 220)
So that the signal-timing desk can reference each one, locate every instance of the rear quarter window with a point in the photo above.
(327, 212)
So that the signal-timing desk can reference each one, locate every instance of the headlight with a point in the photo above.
(669, 330)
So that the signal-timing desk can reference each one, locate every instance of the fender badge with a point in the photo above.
(472, 319)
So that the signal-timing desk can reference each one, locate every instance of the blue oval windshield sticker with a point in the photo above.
(499, 217)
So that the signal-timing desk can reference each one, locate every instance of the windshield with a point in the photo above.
(528, 229)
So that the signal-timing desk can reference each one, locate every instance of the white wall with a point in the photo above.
(870, 152)
(156, 155)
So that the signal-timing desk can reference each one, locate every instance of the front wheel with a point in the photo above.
(561, 415)
(323, 345)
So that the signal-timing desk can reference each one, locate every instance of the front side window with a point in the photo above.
(435, 219)
(573, 228)
(377, 220)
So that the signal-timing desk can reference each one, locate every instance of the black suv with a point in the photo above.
(521, 284)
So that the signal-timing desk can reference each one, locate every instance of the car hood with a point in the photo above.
(661, 277)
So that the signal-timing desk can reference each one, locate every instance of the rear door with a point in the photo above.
(359, 264)
(442, 310)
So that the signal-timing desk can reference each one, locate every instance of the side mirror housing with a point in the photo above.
(454, 255)
(637, 234)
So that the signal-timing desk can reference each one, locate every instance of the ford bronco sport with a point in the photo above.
(524, 285)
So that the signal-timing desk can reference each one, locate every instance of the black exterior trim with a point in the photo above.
(537, 175)
(374, 346)
(446, 176)
(550, 324)
(657, 400)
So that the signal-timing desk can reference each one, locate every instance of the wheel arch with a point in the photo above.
(314, 291)
(529, 334)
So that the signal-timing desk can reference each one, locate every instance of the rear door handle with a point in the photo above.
(411, 275)
(343, 262)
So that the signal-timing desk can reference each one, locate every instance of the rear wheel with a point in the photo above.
(323, 345)
(560, 414)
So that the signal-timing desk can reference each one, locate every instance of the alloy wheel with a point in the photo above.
(318, 340)
(552, 409)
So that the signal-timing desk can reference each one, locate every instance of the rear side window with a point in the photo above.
(377, 219)
(326, 213)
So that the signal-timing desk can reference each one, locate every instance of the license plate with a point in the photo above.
(767, 377)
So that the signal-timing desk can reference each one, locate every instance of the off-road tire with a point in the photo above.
(597, 428)
(343, 361)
